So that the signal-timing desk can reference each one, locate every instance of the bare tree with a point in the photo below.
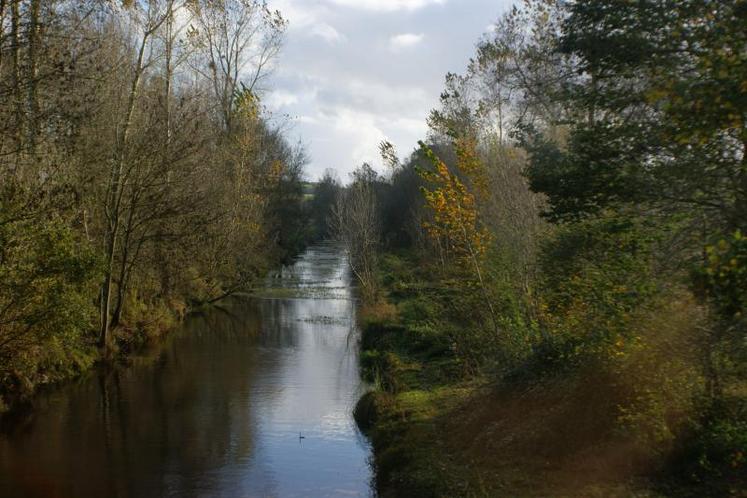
(237, 41)
(355, 222)
(147, 21)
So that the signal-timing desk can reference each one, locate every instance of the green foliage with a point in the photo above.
(658, 379)
(129, 196)
(713, 460)
(660, 110)
(632, 118)
(598, 168)
(723, 445)
(723, 275)
(46, 279)
(597, 275)
(721, 282)
(321, 204)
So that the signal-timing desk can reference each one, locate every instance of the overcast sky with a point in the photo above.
(355, 72)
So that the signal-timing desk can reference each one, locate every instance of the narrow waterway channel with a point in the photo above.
(251, 399)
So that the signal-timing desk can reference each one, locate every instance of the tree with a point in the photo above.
(322, 204)
(455, 227)
(356, 223)
(151, 18)
(657, 139)
(117, 163)
(662, 88)
(45, 281)
(237, 42)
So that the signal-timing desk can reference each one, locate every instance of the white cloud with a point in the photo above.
(341, 88)
(363, 132)
(326, 32)
(405, 40)
(412, 127)
(307, 120)
(281, 98)
(299, 14)
(387, 5)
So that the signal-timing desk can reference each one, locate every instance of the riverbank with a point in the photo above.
(151, 327)
(441, 430)
(250, 398)
(145, 324)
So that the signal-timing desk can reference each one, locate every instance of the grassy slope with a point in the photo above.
(436, 434)
(471, 438)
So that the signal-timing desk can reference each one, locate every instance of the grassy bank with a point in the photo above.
(148, 319)
(144, 325)
(441, 429)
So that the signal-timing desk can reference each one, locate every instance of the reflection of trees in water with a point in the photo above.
(157, 429)
(184, 421)
(278, 330)
(321, 266)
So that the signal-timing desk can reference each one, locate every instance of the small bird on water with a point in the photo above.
(300, 436)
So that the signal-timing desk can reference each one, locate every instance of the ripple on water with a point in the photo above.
(220, 412)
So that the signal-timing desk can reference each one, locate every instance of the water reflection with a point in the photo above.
(219, 412)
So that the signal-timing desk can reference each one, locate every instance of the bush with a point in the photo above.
(597, 276)
(46, 278)
(713, 461)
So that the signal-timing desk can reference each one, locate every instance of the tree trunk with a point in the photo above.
(32, 105)
(115, 198)
(2, 28)
(121, 281)
(739, 218)
(15, 76)
(164, 269)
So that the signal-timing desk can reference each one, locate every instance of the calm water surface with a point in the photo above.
(219, 411)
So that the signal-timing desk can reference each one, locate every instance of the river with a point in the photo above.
(251, 399)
